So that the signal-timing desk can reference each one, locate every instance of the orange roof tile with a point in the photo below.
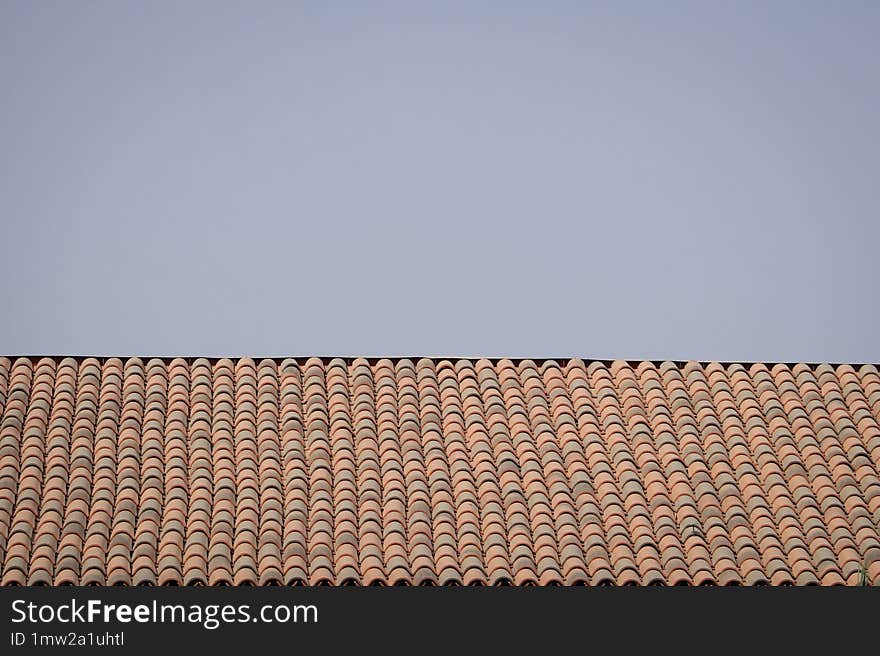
(437, 472)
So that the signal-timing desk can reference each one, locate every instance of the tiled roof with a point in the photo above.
(437, 471)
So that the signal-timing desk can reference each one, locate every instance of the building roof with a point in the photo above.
(437, 471)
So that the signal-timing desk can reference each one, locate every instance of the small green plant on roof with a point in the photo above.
(863, 576)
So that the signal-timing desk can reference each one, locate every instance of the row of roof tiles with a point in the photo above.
(437, 472)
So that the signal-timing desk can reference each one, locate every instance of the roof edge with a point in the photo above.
(373, 359)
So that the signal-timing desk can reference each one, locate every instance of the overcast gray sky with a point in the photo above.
(613, 180)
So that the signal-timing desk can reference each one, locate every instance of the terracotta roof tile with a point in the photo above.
(427, 472)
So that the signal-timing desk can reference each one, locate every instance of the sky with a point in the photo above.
(632, 180)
